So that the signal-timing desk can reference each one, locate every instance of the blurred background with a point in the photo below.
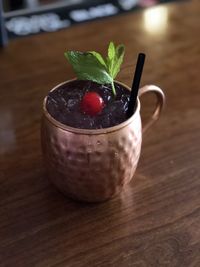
(19, 4)
(20, 18)
(9, 5)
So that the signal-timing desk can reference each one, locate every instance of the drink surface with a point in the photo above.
(64, 105)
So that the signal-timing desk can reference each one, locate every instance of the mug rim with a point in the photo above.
(67, 128)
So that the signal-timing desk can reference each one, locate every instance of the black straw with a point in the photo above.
(136, 84)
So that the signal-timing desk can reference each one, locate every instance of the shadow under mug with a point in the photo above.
(94, 165)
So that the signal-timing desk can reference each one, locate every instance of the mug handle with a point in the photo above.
(159, 105)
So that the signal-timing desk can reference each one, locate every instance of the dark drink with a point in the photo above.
(97, 156)
(64, 105)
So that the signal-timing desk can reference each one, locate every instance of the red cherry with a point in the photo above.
(92, 103)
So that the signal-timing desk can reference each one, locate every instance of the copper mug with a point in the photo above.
(94, 165)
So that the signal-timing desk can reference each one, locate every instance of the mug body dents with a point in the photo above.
(94, 165)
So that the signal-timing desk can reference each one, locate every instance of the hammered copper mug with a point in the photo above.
(94, 165)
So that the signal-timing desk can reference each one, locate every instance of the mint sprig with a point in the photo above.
(92, 66)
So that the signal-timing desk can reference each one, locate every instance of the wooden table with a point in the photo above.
(156, 219)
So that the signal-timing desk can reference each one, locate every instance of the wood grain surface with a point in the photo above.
(156, 219)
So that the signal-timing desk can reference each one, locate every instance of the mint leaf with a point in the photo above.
(92, 66)
(99, 57)
(110, 57)
(88, 67)
(120, 50)
(115, 59)
(111, 51)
